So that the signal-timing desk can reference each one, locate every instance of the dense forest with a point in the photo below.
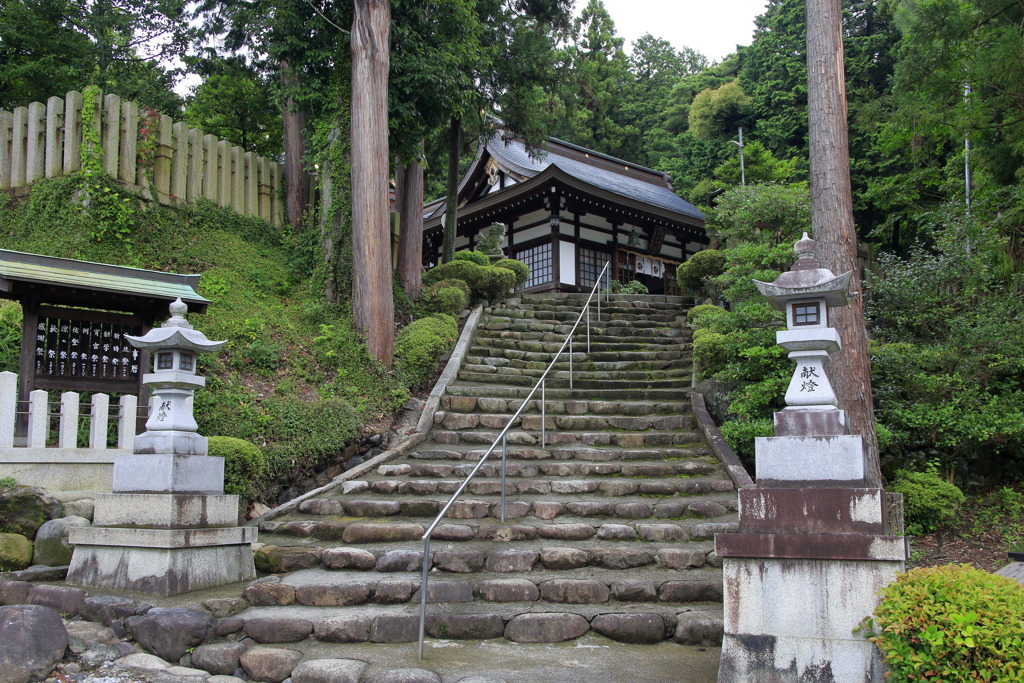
(935, 92)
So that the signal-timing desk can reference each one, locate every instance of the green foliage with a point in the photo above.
(928, 500)
(701, 316)
(10, 336)
(633, 287)
(706, 263)
(8, 484)
(768, 214)
(741, 432)
(484, 282)
(521, 270)
(420, 345)
(243, 465)
(710, 351)
(473, 257)
(950, 623)
(446, 296)
(111, 211)
(719, 112)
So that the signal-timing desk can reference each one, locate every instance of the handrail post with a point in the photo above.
(423, 594)
(543, 418)
(588, 329)
(503, 454)
(570, 362)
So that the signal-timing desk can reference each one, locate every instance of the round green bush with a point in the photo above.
(442, 298)
(711, 350)
(467, 271)
(928, 500)
(634, 287)
(496, 283)
(521, 270)
(950, 623)
(421, 344)
(702, 315)
(243, 464)
(700, 266)
(473, 257)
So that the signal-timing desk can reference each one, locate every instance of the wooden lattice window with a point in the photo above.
(538, 258)
(591, 263)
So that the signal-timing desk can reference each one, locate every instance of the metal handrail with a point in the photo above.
(502, 437)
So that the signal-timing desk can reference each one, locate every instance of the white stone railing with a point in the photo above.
(44, 141)
(68, 412)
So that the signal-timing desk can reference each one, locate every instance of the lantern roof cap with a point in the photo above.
(176, 332)
(807, 279)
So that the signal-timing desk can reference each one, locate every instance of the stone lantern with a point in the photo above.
(815, 541)
(167, 528)
(805, 293)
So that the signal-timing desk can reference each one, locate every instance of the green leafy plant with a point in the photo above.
(112, 212)
(950, 623)
(473, 257)
(446, 296)
(8, 484)
(700, 316)
(10, 335)
(243, 464)
(420, 345)
(521, 270)
(701, 266)
(928, 500)
(484, 282)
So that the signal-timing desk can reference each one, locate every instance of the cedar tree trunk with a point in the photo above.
(409, 191)
(832, 216)
(451, 204)
(294, 148)
(372, 303)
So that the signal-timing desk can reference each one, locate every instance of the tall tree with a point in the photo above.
(832, 216)
(372, 302)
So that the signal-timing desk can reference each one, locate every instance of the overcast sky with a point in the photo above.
(713, 28)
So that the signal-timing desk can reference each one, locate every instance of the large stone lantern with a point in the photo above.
(167, 528)
(815, 541)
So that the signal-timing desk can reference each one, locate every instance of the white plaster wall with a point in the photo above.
(567, 262)
(525, 236)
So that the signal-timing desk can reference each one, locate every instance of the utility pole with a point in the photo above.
(743, 173)
(832, 216)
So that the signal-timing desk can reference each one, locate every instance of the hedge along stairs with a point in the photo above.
(610, 525)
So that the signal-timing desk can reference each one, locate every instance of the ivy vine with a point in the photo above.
(111, 211)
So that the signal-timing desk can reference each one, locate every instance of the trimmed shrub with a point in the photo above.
(699, 267)
(496, 283)
(701, 316)
(446, 296)
(521, 270)
(421, 344)
(467, 271)
(473, 257)
(243, 464)
(711, 350)
(741, 432)
(928, 500)
(634, 287)
(950, 623)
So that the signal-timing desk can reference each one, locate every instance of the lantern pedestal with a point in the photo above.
(167, 528)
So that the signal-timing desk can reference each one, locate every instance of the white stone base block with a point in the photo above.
(161, 571)
(822, 459)
(793, 620)
(168, 473)
(165, 511)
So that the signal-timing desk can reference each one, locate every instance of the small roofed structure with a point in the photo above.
(568, 212)
(77, 315)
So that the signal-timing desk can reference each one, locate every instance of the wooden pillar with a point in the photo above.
(110, 141)
(6, 143)
(250, 184)
(194, 182)
(162, 160)
(35, 143)
(128, 158)
(179, 162)
(19, 140)
(72, 131)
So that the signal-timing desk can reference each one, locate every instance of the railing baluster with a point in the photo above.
(504, 451)
(543, 418)
(67, 433)
(38, 419)
(423, 592)
(98, 421)
(570, 363)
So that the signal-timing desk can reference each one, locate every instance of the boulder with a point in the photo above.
(64, 599)
(329, 671)
(405, 676)
(269, 664)
(15, 552)
(219, 658)
(23, 510)
(32, 641)
(51, 545)
(699, 628)
(169, 632)
(107, 609)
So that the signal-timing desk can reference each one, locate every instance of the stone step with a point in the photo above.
(579, 298)
(581, 364)
(557, 393)
(561, 380)
(579, 355)
(530, 438)
(693, 468)
(464, 530)
(540, 500)
(531, 303)
(569, 314)
(532, 422)
(676, 370)
(436, 451)
(552, 343)
(604, 334)
(498, 405)
(519, 622)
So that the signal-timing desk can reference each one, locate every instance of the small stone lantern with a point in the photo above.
(171, 428)
(805, 293)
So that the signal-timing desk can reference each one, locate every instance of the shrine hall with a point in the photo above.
(567, 212)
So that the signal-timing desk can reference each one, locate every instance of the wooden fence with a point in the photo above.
(45, 140)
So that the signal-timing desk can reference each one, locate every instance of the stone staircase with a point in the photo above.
(610, 524)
